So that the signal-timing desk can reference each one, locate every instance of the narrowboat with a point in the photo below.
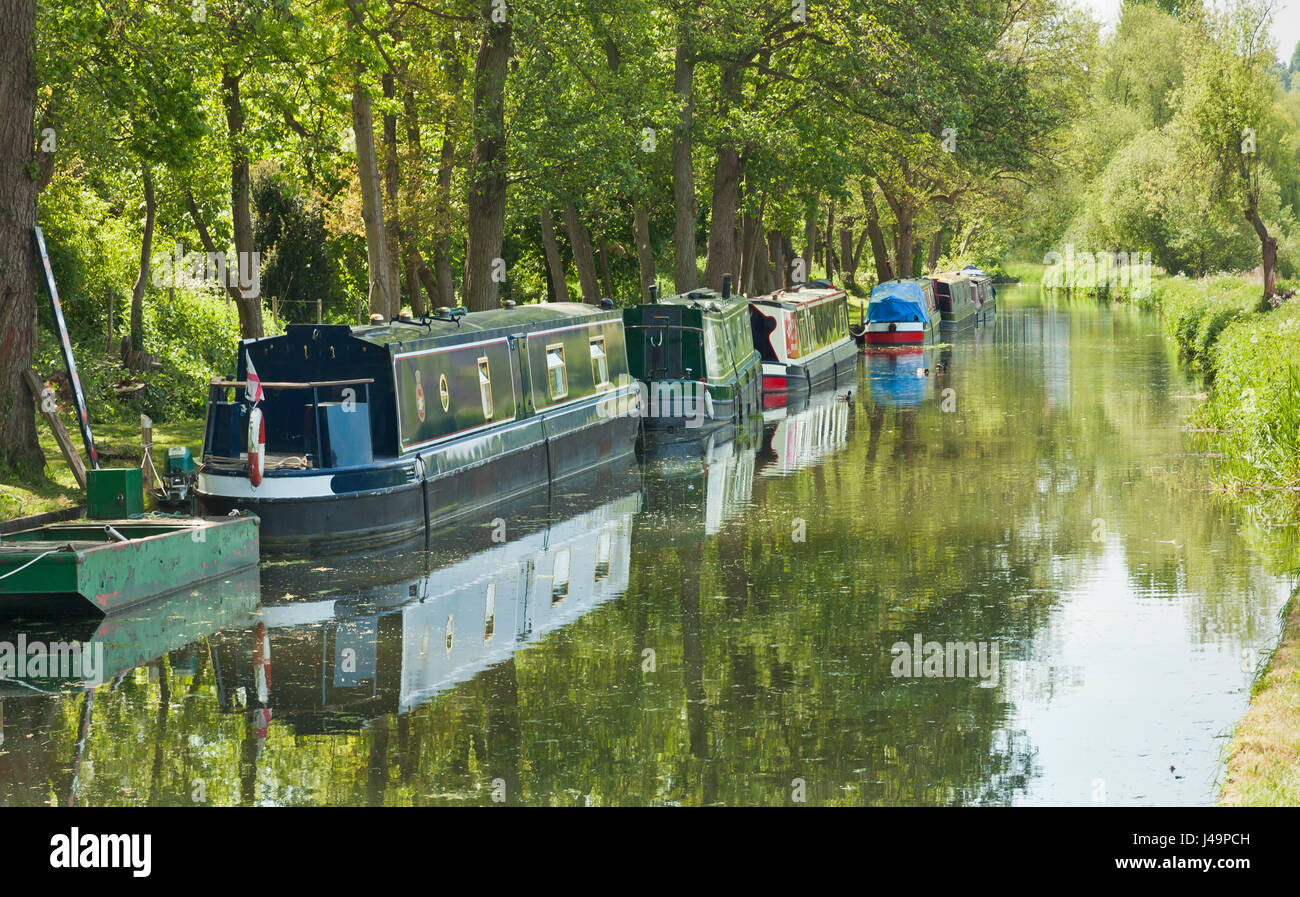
(368, 436)
(902, 312)
(954, 294)
(802, 336)
(983, 292)
(695, 358)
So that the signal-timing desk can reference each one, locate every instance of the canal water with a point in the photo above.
(733, 620)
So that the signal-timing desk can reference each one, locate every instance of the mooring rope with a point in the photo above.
(29, 563)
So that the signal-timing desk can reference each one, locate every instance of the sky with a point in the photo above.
(1286, 21)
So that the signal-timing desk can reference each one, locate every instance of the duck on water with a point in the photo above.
(367, 436)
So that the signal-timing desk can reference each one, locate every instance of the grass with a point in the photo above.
(1263, 762)
(118, 445)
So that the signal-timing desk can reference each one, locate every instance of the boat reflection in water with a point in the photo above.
(705, 480)
(114, 646)
(796, 438)
(421, 626)
(899, 377)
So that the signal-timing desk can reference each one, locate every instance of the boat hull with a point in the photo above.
(425, 491)
(831, 368)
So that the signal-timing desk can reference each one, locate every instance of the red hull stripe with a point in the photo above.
(896, 336)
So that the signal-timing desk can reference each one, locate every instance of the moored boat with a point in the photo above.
(371, 435)
(954, 294)
(103, 566)
(983, 292)
(902, 312)
(802, 335)
(695, 357)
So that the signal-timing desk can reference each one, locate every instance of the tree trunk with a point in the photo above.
(965, 241)
(685, 273)
(487, 168)
(776, 251)
(722, 220)
(413, 260)
(602, 255)
(247, 301)
(1268, 251)
(936, 245)
(445, 291)
(879, 252)
(554, 263)
(829, 242)
(135, 358)
(392, 215)
(906, 242)
(583, 259)
(809, 240)
(848, 258)
(372, 205)
(18, 444)
(644, 253)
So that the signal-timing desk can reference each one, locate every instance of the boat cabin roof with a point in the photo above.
(703, 298)
(903, 287)
(413, 333)
(804, 294)
(951, 277)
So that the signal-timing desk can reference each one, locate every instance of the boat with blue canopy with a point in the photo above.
(902, 311)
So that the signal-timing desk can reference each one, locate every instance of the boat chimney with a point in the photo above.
(726, 286)
(607, 303)
(654, 294)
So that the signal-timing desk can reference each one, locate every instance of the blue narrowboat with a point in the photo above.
(902, 312)
(339, 436)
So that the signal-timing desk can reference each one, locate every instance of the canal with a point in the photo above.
(732, 622)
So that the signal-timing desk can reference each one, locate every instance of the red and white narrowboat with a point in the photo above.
(802, 335)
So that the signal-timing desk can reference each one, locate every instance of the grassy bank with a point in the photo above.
(118, 445)
(1263, 763)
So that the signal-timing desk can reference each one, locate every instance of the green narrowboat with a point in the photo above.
(694, 359)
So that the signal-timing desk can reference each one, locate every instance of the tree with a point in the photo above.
(21, 171)
(487, 169)
(1228, 115)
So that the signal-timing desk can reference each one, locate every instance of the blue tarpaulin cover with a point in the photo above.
(898, 300)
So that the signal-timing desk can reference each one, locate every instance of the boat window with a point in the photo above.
(557, 375)
(560, 577)
(490, 612)
(599, 362)
(444, 395)
(485, 387)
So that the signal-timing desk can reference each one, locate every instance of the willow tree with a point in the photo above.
(1228, 116)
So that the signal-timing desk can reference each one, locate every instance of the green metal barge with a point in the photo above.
(103, 566)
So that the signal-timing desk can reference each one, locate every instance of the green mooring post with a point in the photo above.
(114, 492)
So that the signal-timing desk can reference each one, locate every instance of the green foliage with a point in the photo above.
(1255, 406)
